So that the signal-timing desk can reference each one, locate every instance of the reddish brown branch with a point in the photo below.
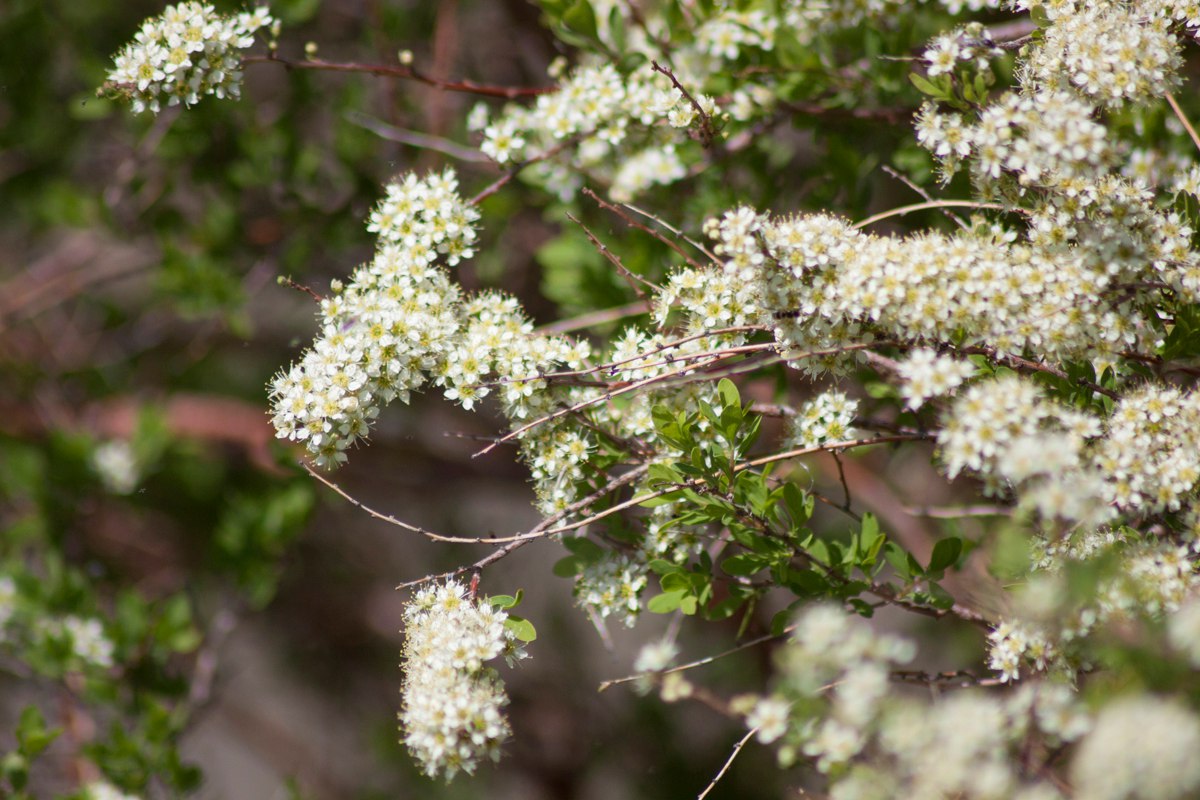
(406, 73)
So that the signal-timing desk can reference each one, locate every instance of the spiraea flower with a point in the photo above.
(452, 714)
(187, 52)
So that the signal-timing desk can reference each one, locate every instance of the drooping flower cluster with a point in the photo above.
(187, 52)
(452, 715)
(384, 332)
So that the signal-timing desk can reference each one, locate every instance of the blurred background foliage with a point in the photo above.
(254, 621)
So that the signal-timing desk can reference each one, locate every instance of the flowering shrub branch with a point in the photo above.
(1042, 346)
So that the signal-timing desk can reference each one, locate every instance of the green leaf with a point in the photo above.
(32, 735)
(745, 564)
(587, 550)
(902, 561)
(945, 553)
(666, 602)
(799, 505)
(568, 567)
(581, 19)
(728, 391)
(503, 601)
(522, 628)
(939, 597)
(869, 536)
(926, 86)
(15, 769)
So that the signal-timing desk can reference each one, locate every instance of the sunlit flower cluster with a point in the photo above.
(927, 374)
(452, 716)
(187, 52)
(829, 417)
(1044, 138)
(1151, 451)
(1110, 52)
(387, 329)
(596, 108)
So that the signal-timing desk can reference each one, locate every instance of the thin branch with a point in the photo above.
(701, 662)
(737, 748)
(707, 134)
(417, 139)
(405, 73)
(832, 446)
(955, 512)
(1037, 366)
(676, 231)
(388, 518)
(961, 679)
(902, 210)
(842, 476)
(635, 224)
(630, 278)
(611, 367)
(540, 530)
(285, 280)
(632, 386)
(950, 215)
(515, 170)
(1187, 125)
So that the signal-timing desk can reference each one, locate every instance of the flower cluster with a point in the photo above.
(452, 715)
(1141, 748)
(187, 52)
(1111, 53)
(116, 463)
(828, 648)
(382, 334)
(829, 417)
(1013, 644)
(927, 374)
(1043, 138)
(84, 638)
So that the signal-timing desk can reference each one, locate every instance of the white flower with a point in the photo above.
(188, 51)
(770, 717)
(452, 714)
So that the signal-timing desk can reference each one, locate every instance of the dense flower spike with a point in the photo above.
(187, 52)
(453, 710)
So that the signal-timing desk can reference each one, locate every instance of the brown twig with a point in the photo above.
(607, 206)
(541, 530)
(630, 278)
(707, 134)
(515, 170)
(286, 280)
(405, 73)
